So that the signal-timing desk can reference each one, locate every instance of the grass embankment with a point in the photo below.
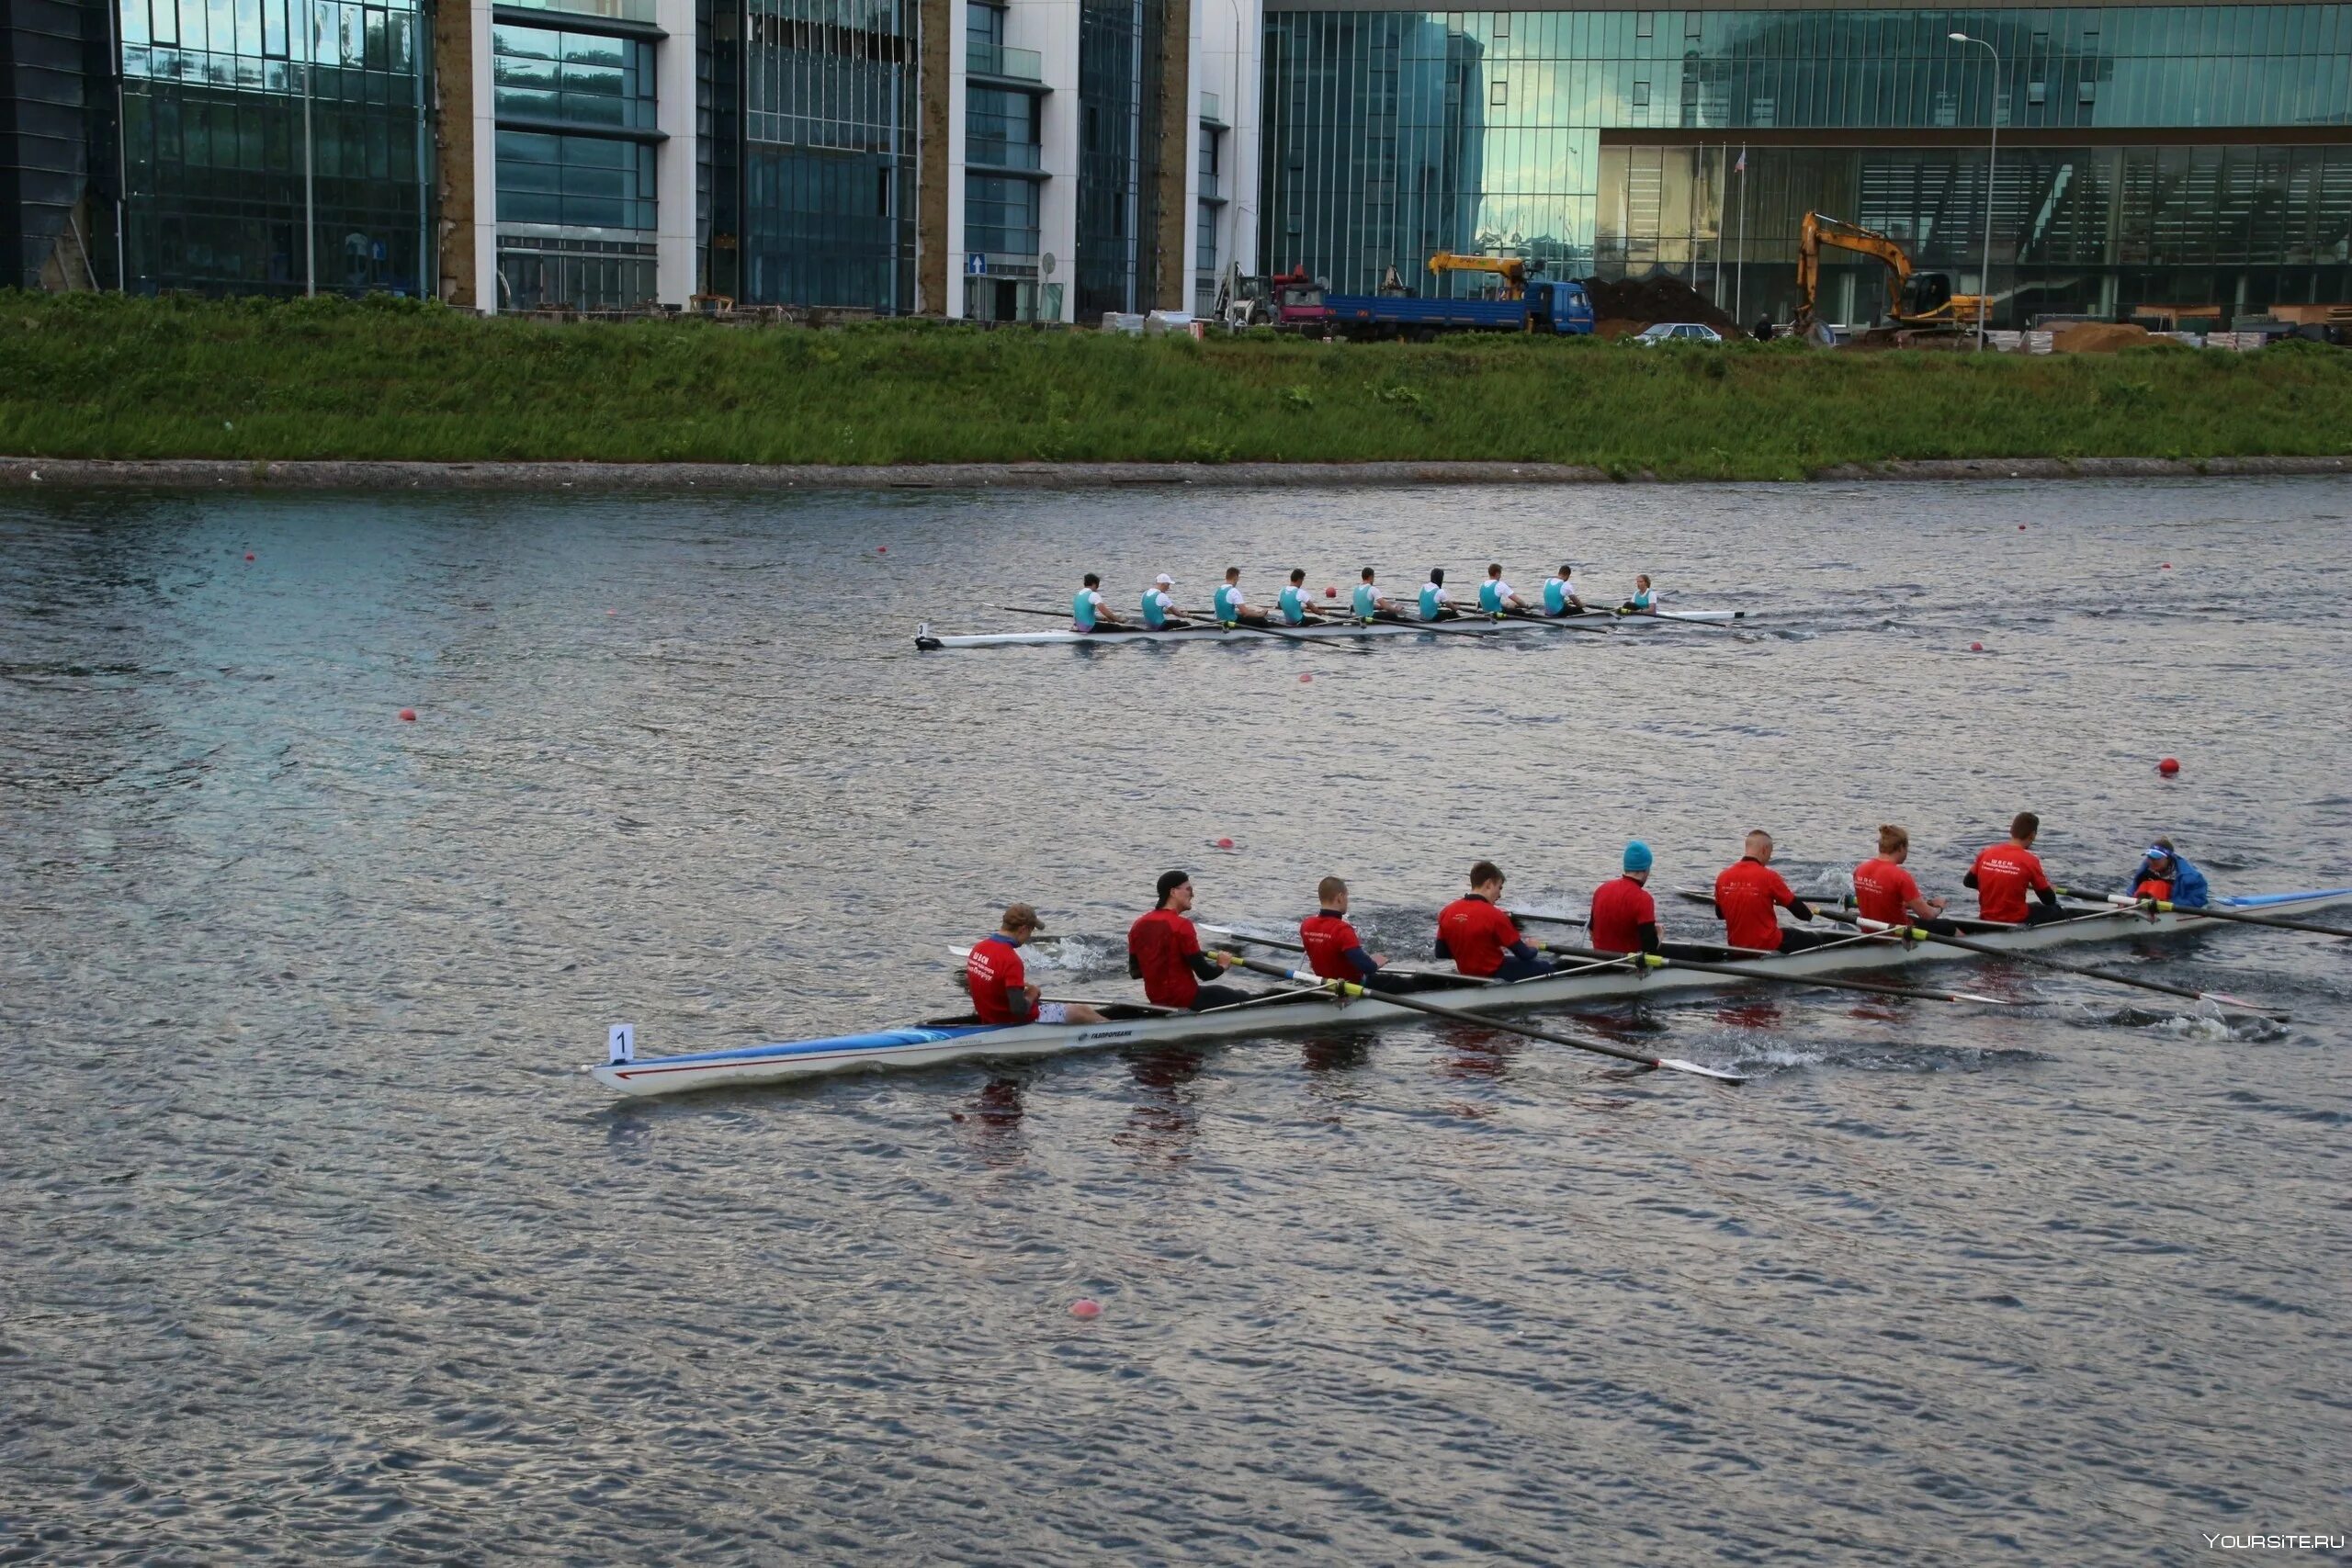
(85, 376)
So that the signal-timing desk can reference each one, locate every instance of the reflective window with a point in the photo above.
(583, 181)
(576, 78)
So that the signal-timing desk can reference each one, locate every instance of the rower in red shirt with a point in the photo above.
(1336, 953)
(2004, 874)
(1625, 915)
(1164, 953)
(1480, 939)
(999, 980)
(1886, 893)
(1747, 894)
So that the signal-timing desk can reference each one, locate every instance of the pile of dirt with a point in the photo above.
(2097, 337)
(1644, 301)
(1609, 328)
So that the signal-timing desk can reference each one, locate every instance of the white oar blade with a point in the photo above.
(1676, 1065)
(1989, 1001)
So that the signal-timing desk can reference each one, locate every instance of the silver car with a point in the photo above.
(1679, 331)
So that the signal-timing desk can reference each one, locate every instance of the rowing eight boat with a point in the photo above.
(955, 1039)
(1471, 623)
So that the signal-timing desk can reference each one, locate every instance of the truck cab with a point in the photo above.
(1559, 306)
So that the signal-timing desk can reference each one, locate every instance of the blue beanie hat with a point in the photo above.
(1637, 856)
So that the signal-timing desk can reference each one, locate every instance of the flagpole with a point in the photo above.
(1739, 267)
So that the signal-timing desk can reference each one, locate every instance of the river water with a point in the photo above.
(318, 1246)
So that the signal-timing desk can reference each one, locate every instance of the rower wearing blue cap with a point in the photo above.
(2165, 874)
(1625, 915)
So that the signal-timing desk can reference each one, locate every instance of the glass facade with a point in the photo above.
(828, 169)
(1118, 154)
(1393, 134)
(576, 160)
(269, 145)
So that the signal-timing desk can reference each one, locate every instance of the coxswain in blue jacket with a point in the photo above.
(2165, 874)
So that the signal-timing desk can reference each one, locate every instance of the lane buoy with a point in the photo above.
(1086, 1307)
(1330, 590)
(881, 549)
(1975, 648)
(1224, 844)
(1303, 680)
(249, 555)
(408, 715)
(2169, 766)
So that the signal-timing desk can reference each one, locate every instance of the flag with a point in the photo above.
(1741, 168)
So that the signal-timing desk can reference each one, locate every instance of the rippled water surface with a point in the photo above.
(318, 1246)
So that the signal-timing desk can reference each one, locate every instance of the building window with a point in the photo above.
(1641, 95)
(576, 78)
(1644, 24)
(1205, 239)
(1001, 215)
(1498, 94)
(592, 182)
(1502, 24)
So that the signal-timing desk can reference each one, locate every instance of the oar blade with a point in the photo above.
(1675, 1064)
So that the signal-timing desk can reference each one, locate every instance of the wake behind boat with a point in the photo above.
(963, 1036)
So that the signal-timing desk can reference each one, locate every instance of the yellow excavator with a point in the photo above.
(1510, 269)
(1915, 300)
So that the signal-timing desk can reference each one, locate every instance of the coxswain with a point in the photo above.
(1496, 596)
(1644, 602)
(2004, 874)
(1370, 604)
(1434, 604)
(1887, 893)
(999, 980)
(1482, 941)
(1087, 611)
(1231, 606)
(1336, 953)
(2166, 875)
(1159, 611)
(1625, 915)
(1747, 894)
(1297, 609)
(1560, 594)
(1164, 953)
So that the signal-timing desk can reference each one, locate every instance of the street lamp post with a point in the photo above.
(1992, 167)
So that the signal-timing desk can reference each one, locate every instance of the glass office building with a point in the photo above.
(2185, 156)
(827, 201)
(268, 147)
(1119, 45)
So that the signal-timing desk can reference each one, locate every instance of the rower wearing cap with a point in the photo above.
(1164, 953)
(1482, 941)
(1336, 953)
(1625, 915)
(1370, 604)
(1887, 893)
(1231, 606)
(1560, 592)
(1644, 600)
(2004, 874)
(1434, 604)
(1087, 611)
(2166, 875)
(1297, 609)
(999, 980)
(1496, 596)
(1748, 892)
(1159, 611)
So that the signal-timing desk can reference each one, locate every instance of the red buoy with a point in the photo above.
(2168, 566)
(1330, 590)
(1225, 844)
(2169, 766)
(2020, 527)
(1086, 1307)
(1975, 648)
(881, 549)
(1303, 680)
(408, 715)
(249, 555)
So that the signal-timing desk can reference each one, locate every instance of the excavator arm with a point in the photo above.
(1818, 230)
(1510, 269)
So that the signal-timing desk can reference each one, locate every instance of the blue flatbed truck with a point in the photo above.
(1557, 306)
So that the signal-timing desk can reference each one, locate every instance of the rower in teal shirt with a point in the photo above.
(1644, 602)
(1159, 606)
(1087, 611)
(1294, 603)
(1434, 604)
(1368, 601)
(1231, 606)
(1560, 594)
(1495, 596)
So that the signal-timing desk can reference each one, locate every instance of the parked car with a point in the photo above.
(1680, 331)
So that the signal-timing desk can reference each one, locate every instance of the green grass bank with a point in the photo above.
(107, 377)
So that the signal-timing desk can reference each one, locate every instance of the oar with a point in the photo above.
(1557, 623)
(1232, 935)
(1342, 987)
(2164, 906)
(1549, 920)
(1920, 933)
(1742, 971)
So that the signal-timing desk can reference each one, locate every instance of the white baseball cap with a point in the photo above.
(1164, 580)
